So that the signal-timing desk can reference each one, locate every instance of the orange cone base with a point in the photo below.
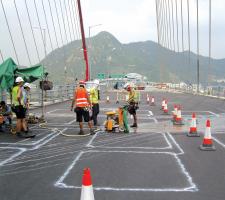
(178, 122)
(193, 134)
(207, 147)
(165, 112)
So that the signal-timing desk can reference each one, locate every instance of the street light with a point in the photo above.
(89, 28)
(45, 50)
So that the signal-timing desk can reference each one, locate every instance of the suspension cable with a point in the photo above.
(10, 33)
(53, 23)
(21, 29)
(210, 37)
(173, 25)
(63, 20)
(198, 75)
(157, 20)
(74, 18)
(32, 31)
(71, 21)
(167, 25)
(57, 15)
(39, 23)
(178, 48)
(171, 35)
(189, 35)
(46, 21)
(160, 21)
(67, 16)
(182, 23)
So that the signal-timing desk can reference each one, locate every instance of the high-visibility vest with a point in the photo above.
(136, 96)
(131, 96)
(81, 97)
(15, 91)
(94, 95)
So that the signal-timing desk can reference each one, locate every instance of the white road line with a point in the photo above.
(192, 187)
(21, 150)
(174, 141)
(219, 142)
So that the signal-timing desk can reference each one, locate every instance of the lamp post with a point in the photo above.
(45, 51)
(89, 36)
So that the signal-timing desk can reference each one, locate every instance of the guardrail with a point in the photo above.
(59, 93)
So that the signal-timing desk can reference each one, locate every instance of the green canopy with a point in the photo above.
(31, 74)
(7, 70)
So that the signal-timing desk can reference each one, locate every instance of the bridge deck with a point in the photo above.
(157, 161)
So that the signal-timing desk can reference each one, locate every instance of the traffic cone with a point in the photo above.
(163, 104)
(148, 99)
(178, 120)
(153, 101)
(174, 113)
(207, 144)
(87, 188)
(165, 109)
(193, 128)
(107, 99)
(117, 98)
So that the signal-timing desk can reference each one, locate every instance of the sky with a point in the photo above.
(128, 20)
(135, 20)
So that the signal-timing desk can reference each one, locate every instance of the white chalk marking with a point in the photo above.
(13, 156)
(192, 188)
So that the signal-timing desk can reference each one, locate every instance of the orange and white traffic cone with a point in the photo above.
(165, 110)
(178, 120)
(107, 99)
(193, 128)
(117, 98)
(163, 104)
(174, 113)
(147, 99)
(153, 101)
(87, 188)
(207, 144)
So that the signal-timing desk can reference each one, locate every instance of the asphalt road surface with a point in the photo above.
(155, 161)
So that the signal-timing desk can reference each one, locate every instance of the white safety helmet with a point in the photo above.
(96, 82)
(19, 79)
(26, 85)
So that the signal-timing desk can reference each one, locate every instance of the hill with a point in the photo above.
(107, 55)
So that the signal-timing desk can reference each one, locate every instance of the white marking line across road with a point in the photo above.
(191, 188)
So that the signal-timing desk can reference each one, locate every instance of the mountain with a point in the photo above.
(107, 55)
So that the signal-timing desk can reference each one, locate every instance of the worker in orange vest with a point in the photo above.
(82, 105)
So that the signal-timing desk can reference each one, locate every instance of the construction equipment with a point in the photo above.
(116, 121)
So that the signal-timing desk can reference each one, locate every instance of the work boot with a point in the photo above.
(92, 132)
(81, 132)
(18, 134)
(134, 125)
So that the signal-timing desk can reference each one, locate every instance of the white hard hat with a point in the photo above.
(27, 85)
(96, 82)
(19, 79)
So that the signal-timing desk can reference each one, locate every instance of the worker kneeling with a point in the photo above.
(133, 104)
(82, 103)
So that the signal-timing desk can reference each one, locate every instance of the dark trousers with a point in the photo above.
(95, 112)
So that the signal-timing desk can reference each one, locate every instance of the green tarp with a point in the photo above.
(31, 74)
(7, 71)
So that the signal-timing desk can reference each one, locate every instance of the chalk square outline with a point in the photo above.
(169, 145)
(192, 188)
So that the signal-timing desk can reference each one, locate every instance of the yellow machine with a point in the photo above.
(115, 121)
